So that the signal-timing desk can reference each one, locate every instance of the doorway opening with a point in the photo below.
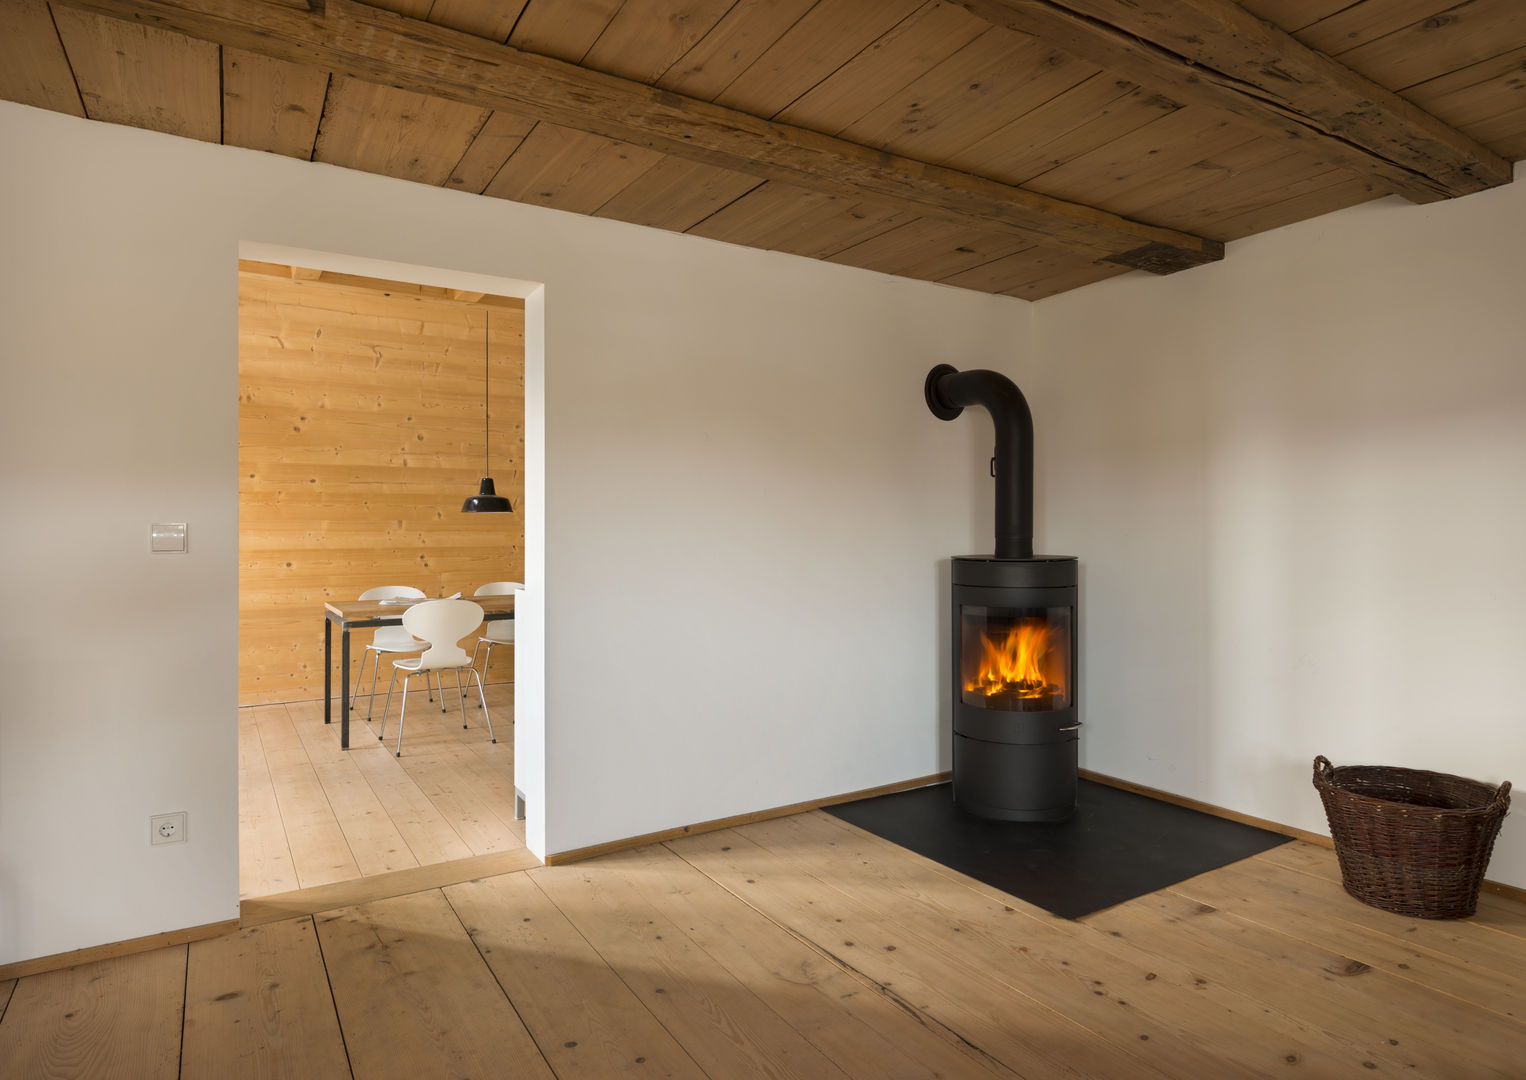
(361, 431)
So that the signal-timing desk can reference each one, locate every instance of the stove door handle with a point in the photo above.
(1073, 727)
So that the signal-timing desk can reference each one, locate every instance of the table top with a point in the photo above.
(351, 611)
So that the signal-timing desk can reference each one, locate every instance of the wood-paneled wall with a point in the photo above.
(360, 433)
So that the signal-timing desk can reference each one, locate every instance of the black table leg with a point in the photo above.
(328, 670)
(344, 688)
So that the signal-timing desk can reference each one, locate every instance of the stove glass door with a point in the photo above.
(1016, 659)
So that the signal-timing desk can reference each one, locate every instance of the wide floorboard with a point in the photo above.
(312, 814)
(803, 948)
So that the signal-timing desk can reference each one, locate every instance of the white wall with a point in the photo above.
(1296, 481)
(744, 506)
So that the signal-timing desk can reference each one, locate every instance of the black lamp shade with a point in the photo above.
(487, 501)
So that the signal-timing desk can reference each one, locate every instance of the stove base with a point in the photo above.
(1016, 781)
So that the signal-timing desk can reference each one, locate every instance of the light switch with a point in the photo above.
(167, 537)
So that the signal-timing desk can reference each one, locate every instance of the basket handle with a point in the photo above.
(1323, 770)
(1502, 796)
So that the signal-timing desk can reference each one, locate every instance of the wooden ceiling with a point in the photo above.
(1022, 147)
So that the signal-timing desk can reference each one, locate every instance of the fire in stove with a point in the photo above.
(1017, 665)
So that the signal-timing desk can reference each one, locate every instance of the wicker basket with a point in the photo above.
(1411, 842)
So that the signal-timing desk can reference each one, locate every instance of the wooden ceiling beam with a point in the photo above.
(382, 47)
(1216, 54)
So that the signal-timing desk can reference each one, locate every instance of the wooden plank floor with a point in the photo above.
(803, 948)
(313, 814)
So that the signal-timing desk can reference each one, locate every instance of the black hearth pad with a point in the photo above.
(1119, 845)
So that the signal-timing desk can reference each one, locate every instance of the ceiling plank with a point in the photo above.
(1217, 54)
(1059, 274)
(784, 218)
(1488, 98)
(33, 68)
(643, 40)
(817, 44)
(362, 42)
(732, 46)
(1071, 124)
(395, 132)
(912, 48)
(565, 31)
(945, 111)
(493, 146)
(930, 250)
(1338, 190)
(675, 194)
(271, 105)
(567, 169)
(1028, 274)
(485, 18)
(1468, 32)
(143, 76)
(1295, 14)
(1361, 23)
(1163, 155)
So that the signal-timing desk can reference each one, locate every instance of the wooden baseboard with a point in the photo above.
(1511, 891)
(1207, 808)
(257, 911)
(111, 950)
(561, 858)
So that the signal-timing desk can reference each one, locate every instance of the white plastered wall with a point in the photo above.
(1296, 481)
(733, 543)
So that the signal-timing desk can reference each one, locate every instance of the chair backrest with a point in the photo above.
(500, 630)
(500, 588)
(443, 623)
(393, 638)
(393, 592)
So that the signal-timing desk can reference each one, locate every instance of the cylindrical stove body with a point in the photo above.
(1016, 720)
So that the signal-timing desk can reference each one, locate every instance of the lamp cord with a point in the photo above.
(486, 394)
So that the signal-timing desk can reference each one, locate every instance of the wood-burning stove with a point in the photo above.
(1015, 722)
(1016, 725)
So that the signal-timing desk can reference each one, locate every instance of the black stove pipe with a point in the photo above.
(948, 390)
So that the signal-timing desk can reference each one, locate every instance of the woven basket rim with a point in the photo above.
(1489, 794)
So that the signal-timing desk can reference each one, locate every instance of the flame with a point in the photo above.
(1016, 664)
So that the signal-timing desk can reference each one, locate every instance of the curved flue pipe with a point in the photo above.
(949, 391)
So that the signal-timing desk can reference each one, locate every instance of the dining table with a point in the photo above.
(361, 615)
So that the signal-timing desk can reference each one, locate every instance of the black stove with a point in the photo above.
(1014, 619)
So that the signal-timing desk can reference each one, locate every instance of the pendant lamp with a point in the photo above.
(486, 501)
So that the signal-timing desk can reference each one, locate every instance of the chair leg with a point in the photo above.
(485, 714)
(355, 694)
(475, 650)
(439, 682)
(487, 657)
(388, 707)
(462, 690)
(403, 715)
(371, 698)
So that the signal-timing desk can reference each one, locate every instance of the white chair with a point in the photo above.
(499, 631)
(387, 639)
(441, 624)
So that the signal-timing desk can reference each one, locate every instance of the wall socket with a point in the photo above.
(167, 828)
